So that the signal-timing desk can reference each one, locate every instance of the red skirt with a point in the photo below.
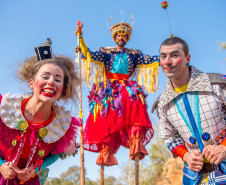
(118, 116)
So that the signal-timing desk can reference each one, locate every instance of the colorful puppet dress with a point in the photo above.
(24, 143)
(118, 111)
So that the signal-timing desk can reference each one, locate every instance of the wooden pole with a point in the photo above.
(137, 169)
(129, 181)
(82, 160)
(102, 175)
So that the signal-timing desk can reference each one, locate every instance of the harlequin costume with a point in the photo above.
(24, 143)
(193, 118)
(118, 111)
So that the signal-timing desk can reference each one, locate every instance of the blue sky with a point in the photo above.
(26, 24)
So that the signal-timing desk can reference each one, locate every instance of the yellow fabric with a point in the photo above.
(148, 76)
(147, 73)
(80, 114)
(181, 89)
(204, 179)
(83, 47)
(89, 65)
(206, 160)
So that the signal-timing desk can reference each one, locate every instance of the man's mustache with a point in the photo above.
(122, 40)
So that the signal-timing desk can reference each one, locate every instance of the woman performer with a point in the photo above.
(35, 131)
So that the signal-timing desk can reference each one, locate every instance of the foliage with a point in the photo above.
(150, 170)
(222, 45)
(159, 154)
(72, 177)
(90, 182)
(72, 174)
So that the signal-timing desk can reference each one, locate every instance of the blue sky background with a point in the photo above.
(25, 24)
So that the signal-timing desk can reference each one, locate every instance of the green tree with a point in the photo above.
(66, 182)
(72, 175)
(158, 155)
(53, 181)
(150, 168)
(110, 180)
(90, 182)
(222, 45)
(127, 173)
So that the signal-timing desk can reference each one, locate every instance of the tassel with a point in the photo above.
(8, 154)
(148, 76)
(105, 79)
(36, 164)
(40, 164)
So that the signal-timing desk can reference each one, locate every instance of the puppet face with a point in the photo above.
(48, 83)
(173, 61)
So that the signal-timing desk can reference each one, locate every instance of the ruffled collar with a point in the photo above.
(199, 81)
(11, 115)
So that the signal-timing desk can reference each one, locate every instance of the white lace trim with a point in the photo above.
(10, 112)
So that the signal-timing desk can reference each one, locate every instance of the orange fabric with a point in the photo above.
(117, 76)
(106, 157)
(136, 145)
(180, 151)
(223, 142)
(36, 126)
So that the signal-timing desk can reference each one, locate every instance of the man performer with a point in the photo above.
(118, 112)
(192, 115)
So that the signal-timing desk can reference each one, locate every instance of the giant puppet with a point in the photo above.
(118, 111)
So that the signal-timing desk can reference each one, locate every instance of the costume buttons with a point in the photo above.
(192, 140)
(223, 132)
(205, 136)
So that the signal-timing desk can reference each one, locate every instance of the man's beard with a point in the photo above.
(121, 43)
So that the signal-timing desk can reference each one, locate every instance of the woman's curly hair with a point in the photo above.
(29, 68)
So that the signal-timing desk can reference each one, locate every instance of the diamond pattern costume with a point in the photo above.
(205, 98)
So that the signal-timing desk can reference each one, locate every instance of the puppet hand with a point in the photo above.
(194, 160)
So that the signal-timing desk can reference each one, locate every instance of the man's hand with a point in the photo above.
(215, 153)
(26, 173)
(78, 30)
(194, 159)
(7, 171)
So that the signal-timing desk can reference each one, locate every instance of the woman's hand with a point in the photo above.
(8, 171)
(26, 173)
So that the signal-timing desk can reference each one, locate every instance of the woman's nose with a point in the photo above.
(50, 82)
